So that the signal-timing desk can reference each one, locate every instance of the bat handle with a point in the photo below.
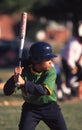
(19, 63)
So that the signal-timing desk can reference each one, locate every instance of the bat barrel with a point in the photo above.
(22, 34)
(23, 24)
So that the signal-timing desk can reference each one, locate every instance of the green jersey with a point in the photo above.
(46, 79)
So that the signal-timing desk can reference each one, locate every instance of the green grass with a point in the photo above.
(72, 112)
(10, 115)
(5, 74)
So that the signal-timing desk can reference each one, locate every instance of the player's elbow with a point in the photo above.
(7, 92)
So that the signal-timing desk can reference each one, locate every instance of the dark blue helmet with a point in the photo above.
(40, 51)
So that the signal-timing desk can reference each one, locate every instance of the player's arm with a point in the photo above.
(28, 86)
(9, 86)
(34, 89)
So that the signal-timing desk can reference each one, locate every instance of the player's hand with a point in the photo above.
(19, 80)
(18, 70)
(17, 76)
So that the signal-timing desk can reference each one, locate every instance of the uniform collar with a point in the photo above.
(34, 72)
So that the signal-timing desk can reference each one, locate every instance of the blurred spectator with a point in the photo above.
(79, 63)
(54, 33)
(70, 55)
(58, 79)
(59, 83)
(62, 90)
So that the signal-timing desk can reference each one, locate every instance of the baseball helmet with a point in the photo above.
(40, 51)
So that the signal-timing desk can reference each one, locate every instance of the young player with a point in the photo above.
(36, 79)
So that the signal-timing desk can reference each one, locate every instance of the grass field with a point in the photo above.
(10, 109)
(5, 74)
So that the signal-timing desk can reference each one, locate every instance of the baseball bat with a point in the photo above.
(22, 37)
(22, 34)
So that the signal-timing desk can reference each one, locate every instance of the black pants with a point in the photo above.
(67, 72)
(49, 113)
(59, 81)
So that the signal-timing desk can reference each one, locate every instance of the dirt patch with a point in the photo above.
(11, 103)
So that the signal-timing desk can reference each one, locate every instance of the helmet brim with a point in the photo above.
(50, 56)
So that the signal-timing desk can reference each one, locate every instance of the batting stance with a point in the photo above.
(36, 79)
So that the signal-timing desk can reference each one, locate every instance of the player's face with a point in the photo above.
(44, 65)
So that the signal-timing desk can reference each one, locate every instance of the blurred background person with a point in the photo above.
(62, 90)
(79, 63)
(70, 55)
(59, 80)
